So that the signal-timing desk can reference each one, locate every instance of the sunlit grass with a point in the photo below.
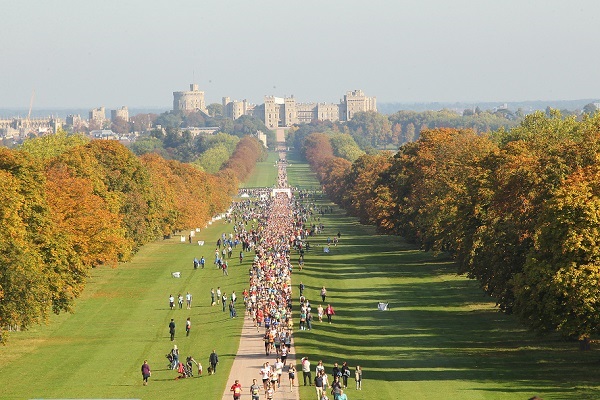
(441, 339)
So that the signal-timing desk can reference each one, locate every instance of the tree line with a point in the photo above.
(373, 131)
(519, 209)
(69, 204)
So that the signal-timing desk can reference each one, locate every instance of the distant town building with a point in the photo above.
(235, 109)
(122, 113)
(98, 115)
(262, 137)
(356, 101)
(105, 134)
(203, 130)
(192, 100)
(281, 112)
(73, 120)
(20, 127)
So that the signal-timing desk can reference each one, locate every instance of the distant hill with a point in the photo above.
(526, 106)
(63, 112)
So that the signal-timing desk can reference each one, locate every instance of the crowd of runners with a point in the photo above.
(274, 229)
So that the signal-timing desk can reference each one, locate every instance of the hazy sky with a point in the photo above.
(77, 53)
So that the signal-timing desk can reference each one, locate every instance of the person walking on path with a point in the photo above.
(292, 376)
(270, 393)
(213, 360)
(255, 390)
(236, 388)
(172, 329)
(265, 374)
(146, 373)
(188, 326)
(323, 293)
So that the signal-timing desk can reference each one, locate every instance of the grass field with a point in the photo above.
(265, 173)
(442, 339)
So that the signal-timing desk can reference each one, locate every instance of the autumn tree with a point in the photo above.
(558, 288)
(39, 271)
(359, 195)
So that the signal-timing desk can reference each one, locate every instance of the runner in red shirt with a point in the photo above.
(236, 388)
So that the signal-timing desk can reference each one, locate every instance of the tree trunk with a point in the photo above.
(584, 344)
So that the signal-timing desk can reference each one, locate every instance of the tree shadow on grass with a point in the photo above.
(437, 330)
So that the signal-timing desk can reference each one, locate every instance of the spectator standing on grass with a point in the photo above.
(188, 326)
(188, 299)
(202, 262)
(358, 377)
(218, 294)
(171, 301)
(224, 300)
(319, 385)
(172, 329)
(212, 297)
(224, 267)
(180, 301)
(345, 374)
(146, 373)
(320, 312)
(175, 354)
(336, 388)
(323, 293)
(213, 360)
(306, 371)
(329, 311)
(319, 367)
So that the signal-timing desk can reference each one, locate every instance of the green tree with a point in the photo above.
(215, 109)
(48, 146)
(213, 159)
(344, 146)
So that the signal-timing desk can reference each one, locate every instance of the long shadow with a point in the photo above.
(440, 327)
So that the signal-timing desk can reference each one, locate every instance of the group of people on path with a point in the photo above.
(280, 229)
